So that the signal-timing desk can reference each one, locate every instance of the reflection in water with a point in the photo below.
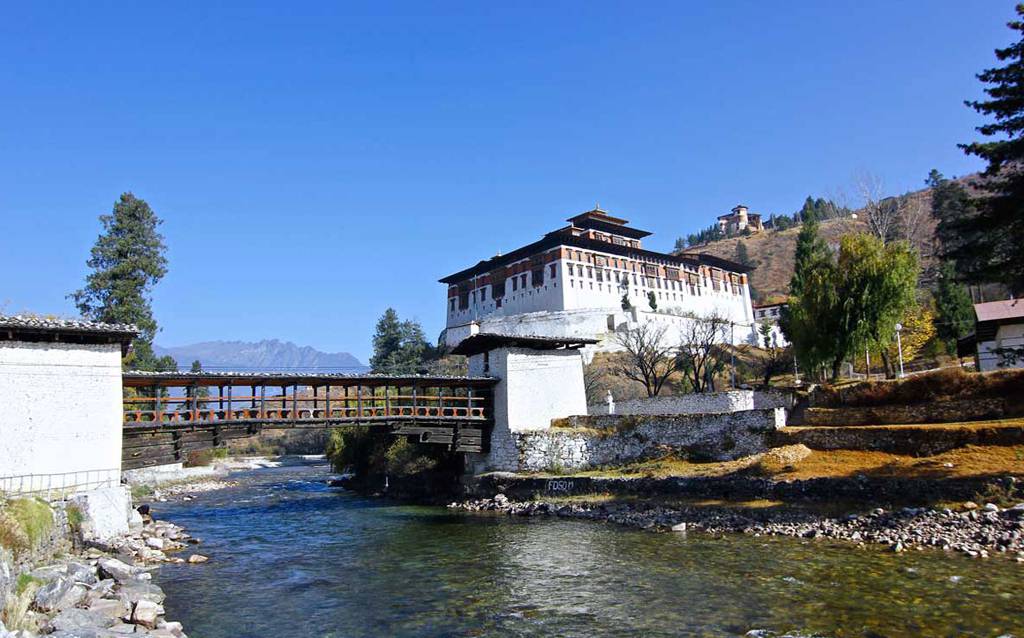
(291, 557)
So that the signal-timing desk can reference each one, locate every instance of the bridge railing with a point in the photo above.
(282, 407)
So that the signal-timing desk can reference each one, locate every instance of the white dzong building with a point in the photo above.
(571, 283)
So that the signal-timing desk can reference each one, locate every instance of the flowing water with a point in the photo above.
(292, 557)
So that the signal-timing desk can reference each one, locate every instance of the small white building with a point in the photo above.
(539, 379)
(60, 403)
(998, 340)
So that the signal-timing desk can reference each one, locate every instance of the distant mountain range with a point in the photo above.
(269, 355)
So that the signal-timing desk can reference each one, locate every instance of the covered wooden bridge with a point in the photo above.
(169, 414)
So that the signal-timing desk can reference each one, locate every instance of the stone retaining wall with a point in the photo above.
(934, 412)
(583, 442)
(873, 490)
(908, 440)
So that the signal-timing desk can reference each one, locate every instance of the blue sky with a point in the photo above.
(317, 162)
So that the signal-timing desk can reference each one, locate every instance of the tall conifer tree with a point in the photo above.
(127, 261)
(993, 248)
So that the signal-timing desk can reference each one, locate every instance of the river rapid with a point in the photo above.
(290, 556)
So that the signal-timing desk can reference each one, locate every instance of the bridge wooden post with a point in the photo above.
(414, 413)
(252, 397)
(327, 402)
(284, 400)
(295, 401)
(263, 401)
(193, 408)
(314, 389)
(359, 401)
(158, 414)
(230, 403)
(387, 401)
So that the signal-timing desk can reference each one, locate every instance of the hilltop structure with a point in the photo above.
(740, 220)
(590, 279)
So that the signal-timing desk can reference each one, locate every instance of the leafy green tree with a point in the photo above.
(993, 245)
(851, 300)
(953, 210)
(127, 261)
(954, 306)
(399, 347)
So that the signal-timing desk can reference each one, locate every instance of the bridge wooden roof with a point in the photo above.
(215, 379)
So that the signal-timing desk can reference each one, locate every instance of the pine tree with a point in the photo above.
(954, 307)
(127, 260)
(810, 249)
(743, 255)
(399, 347)
(993, 250)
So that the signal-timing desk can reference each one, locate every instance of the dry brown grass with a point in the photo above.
(945, 384)
(969, 461)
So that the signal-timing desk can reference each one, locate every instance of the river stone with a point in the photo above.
(59, 594)
(134, 592)
(155, 542)
(112, 607)
(197, 558)
(76, 620)
(118, 570)
(83, 574)
(146, 613)
(101, 589)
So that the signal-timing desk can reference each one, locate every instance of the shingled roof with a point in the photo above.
(45, 329)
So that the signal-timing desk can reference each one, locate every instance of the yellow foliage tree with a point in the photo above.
(918, 329)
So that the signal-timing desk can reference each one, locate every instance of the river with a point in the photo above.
(293, 557)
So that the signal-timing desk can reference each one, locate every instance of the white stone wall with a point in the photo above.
(698, 403)
(695, 403)
(614, 440)
(1010, 336)
(591, 323)
(62, 408)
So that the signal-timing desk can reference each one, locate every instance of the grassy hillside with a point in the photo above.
(772, 255)
(772, 251)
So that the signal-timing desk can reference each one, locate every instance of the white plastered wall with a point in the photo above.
(61, 408)
(534, 387)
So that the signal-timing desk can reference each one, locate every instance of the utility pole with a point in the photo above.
(899, 346)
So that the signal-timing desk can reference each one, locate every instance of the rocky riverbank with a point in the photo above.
(975, 531)
(104, 591)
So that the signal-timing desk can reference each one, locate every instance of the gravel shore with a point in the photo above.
(976, 531)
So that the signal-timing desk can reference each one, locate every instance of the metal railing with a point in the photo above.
(58, 485)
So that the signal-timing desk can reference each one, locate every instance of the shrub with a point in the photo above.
(24, 522)
(198, 458)
(367, 451)
(75, 517)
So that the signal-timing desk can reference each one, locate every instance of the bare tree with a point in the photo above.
(701, 353)
(649, 359)
(882, 215)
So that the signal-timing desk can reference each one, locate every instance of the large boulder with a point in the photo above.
(118, 570)
(77, 620)
(82, 574)
(105, 512)
(59, 594)
(147, 614)
(136, 591)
